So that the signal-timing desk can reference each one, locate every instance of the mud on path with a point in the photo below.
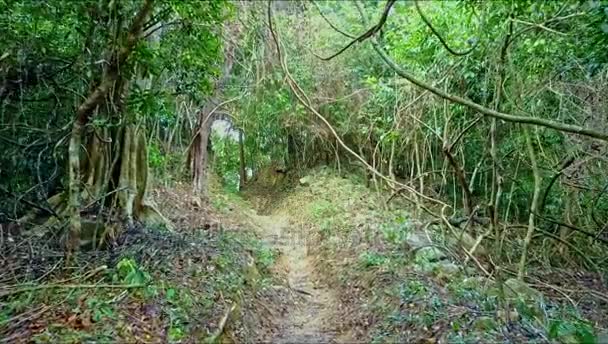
(312, 318)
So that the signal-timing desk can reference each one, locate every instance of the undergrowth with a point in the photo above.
(397, 292)
(153, 287)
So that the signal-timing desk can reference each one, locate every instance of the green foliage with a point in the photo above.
(265, 257)
(571, 332)
(155, 158)
(371, 259)
(226, 160)
(396, 233)
(129, 273)
(102, 309)
(412, 289)
(323, 209)
(53, 54)
(401, 291)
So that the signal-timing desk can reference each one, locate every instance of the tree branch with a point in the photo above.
(580, 230)
(367, 34)
(569, 128)
(330, 23)
(88, 106)
(440, 38)
(305, 101)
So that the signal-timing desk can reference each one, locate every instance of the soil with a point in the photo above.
(312, 317)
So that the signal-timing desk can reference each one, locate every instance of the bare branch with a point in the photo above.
(305, 101)
(367, 34)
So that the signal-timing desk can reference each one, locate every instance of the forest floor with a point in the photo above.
(208, 280)
(310, 319)
(319, 260)
(366, 271)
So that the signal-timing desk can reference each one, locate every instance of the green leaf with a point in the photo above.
(170, 294)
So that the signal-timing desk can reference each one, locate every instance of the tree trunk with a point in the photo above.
(242, 171)
(198, 155)
(461, 178)
(85, 113)
(533, 207)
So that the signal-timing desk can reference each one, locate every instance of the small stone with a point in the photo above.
(446, 268)
(305, 181)
(475, 282)
(513, 315)
(517, 288)
(417, 240)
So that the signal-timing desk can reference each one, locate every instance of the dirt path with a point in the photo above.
(312, 318)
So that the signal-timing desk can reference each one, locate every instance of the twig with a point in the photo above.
(31, 204)
(540, 26)
(104, 196)
(68, 286)
(329, 22)
(557, 289)
(574, 248)
(580, 230)
(208, 117)
(447, 223)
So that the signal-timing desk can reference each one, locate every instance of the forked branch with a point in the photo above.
(367, 34)
(440, 38)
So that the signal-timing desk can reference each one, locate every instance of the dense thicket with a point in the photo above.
(480, 125)
(492, 111)
(102, 78)
(494, 108)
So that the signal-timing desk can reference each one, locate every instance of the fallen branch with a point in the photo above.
(220, 327)
(574, 248)
(457, 221)
(470, 256)
(31, 204)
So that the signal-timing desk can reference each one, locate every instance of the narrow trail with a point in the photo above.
(312, 318)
